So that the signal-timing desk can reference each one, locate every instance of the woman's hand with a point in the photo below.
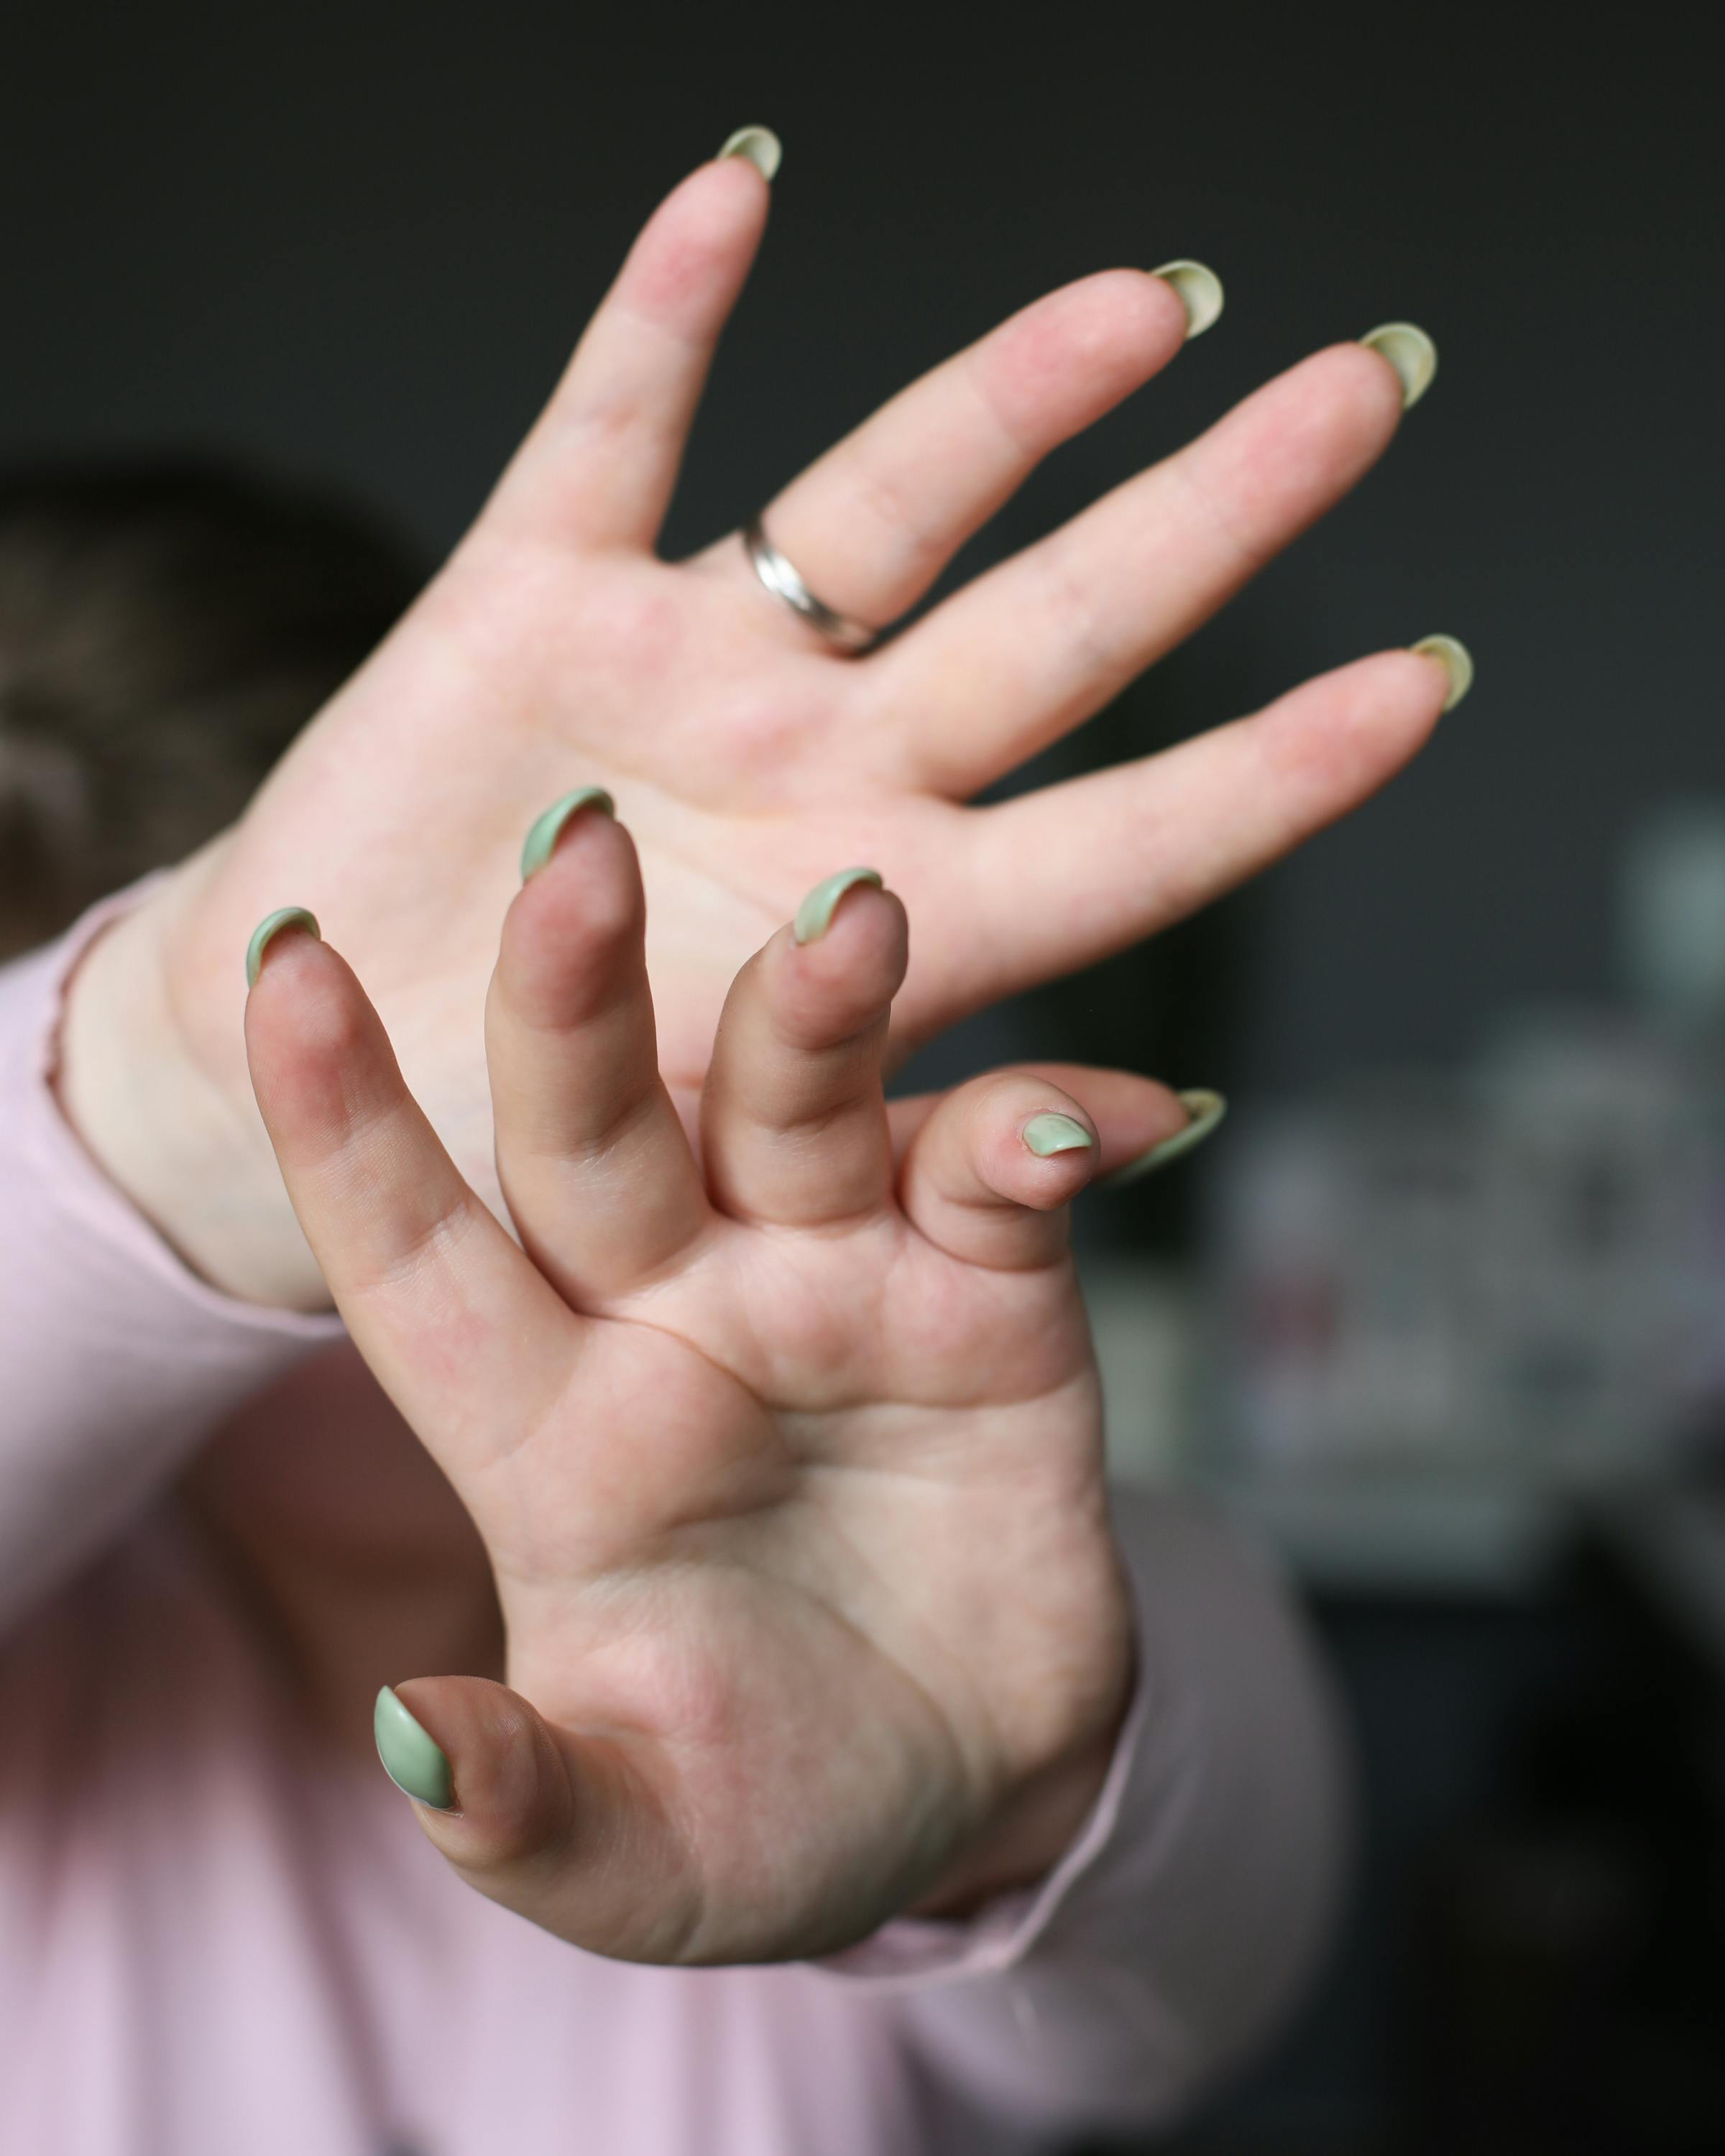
(787, 1459)
(745, 752)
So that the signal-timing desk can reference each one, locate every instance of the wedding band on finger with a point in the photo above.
(781, 578)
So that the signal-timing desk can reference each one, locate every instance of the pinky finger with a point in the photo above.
(989, 1176)
(1142, 1124)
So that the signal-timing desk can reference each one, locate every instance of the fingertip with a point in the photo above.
(1341, 406)
(1456, 660)
(698, 246)
(1050, 1131)
(580, 911)
(484, 1764)
(826, 986)
(411, 1756)
(815, 915)
(757, 146)
(991, 1174)
(1053, 1157)
(314, 1045)
(1031, 1143)
(546, 831)
(285, 920)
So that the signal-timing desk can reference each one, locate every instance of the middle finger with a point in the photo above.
(1033, 648)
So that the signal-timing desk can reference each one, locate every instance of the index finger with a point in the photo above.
(603, 458)
(452, 1317)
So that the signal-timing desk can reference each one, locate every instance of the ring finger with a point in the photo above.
(871, 524)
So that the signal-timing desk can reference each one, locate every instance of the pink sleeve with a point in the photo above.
(1184, 1920)
(115, 1361)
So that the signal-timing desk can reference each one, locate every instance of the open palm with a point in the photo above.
(787, 1462)
(556, 648)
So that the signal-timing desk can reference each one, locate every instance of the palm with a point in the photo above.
(791, 1617)
(786, 1458)
(746, 766)
(555, 650)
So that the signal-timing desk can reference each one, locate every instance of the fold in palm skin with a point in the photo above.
(788, 1459)
(556, 648)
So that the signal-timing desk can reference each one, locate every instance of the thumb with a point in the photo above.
(562, 1830)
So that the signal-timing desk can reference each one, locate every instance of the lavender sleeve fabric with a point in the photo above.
(115, 1360)
(1188, 1917)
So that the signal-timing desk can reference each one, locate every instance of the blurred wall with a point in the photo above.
(357, 242)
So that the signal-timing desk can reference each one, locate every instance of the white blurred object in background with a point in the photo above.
(1507, 1279)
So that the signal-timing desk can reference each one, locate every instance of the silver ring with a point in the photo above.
(780, 579)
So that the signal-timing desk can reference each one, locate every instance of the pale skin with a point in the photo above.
(747, 760)
(786, 1458)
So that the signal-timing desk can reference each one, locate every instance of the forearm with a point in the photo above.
(117, 1359)
(179, 1138)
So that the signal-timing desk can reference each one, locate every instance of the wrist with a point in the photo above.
(1035, 1826)
(179, 1143)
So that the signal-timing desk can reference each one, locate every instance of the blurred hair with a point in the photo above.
(165, 631)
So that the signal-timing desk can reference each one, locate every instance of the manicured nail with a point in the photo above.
(412, 1757)
(1410, 352)
(1204, 1108)
(268, 929)
(1199, 290)
(759, 145)
(1458, 664)
(542, 839)
(1052, 1133)
(815, 915)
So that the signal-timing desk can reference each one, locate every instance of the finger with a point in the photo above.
(1025, 653)
(602, 461)
(872, 523)
(554, 1826)
(591, 1154)
(990, 1176)
(793, 1123)
(1139, 1122)
(447, 1312)
(1077, 871)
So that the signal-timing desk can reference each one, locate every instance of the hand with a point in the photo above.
(787, 1461)
(557, 651)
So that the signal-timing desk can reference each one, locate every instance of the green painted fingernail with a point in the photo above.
(1457, 663)
(412, 1758)
(1409, 352)
(815, 915)
(759, 145)
(542, 839)
(268, 929)
(1199, 289)
(1052, 1133)
(1206, 1110)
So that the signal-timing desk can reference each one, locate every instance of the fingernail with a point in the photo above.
(542, 839)
(815, 915)
(1199, 290)
(759, 145)
(268, 929)
(1051, 1134)
(1410, 352)
(412, 1758)
(1204, 1108)
(1457, 661)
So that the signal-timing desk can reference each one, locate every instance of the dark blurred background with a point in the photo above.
(352, 246)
